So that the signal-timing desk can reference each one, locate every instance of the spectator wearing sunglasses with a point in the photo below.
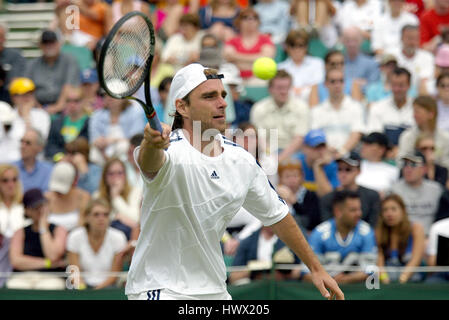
(340, 117)
(425, 112)
(425, 143)
(348, 170)
(375, 172)
(11, 208)
(67, 127)
(306, 70)
(421, 195)
(33, 172)
(319, 167)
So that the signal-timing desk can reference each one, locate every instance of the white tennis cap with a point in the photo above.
(187, 79)
(62, 177)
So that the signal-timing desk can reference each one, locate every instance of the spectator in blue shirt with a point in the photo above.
(33, 173)
(345, 240)
(319, 166)
(358, 66)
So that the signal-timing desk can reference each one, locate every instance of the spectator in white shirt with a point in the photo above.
(393, 114)
(188, 38)
(387, 32)
(96, 248)
(375, 173)
(340, 117)
(283, 112)
(443, 101)
(306, 70)
(8, 143)
(27, 115)
(418, 62)
(363, 14)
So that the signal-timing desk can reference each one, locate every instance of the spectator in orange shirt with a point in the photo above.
(95, 21)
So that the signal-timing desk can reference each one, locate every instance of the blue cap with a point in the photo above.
(89, 76)
(315, 137)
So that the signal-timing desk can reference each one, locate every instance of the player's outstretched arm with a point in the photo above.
(288, 231)
(152, 156)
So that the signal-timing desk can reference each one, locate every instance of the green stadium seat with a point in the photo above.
(83, 55)
(255, 93)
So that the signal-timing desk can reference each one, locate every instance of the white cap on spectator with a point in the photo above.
(187, 79)
(7, 114)
(62, 177)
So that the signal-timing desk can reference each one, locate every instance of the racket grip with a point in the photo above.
(155, 123)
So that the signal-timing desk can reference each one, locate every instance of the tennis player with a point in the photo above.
(193, 186)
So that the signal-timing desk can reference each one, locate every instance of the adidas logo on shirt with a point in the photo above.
(214, 175)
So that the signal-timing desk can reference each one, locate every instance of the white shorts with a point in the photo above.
(167, 294)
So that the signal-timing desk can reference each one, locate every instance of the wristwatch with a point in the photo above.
(43, 231)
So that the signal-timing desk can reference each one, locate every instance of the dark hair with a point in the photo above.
(383, 231)
(190, 18)
(81, 145)
(279, 75)
(294, 35)
(341, 196)
(164, 83)
(441, 77)
(330, 54)
(409, 27)
(136, 139)
(245, 12)
(429, 104)
(398, 71)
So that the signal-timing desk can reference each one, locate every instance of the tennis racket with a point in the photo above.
(125, 61)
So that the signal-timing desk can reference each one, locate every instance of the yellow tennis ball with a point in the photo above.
(264, 68)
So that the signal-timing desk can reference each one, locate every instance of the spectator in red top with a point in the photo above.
(249, 44)
(416, 7)
(433, 21)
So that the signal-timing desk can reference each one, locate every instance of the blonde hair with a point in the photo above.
(18, 190)
(92, 203)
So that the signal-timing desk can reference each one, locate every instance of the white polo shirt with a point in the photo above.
(290, 120)
(185, 211)
(384, 113)
(338, 124)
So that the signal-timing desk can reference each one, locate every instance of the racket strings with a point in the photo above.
(126, 57)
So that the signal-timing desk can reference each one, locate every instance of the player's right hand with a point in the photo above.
(154, 139)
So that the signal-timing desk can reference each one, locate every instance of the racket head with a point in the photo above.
(126, 55)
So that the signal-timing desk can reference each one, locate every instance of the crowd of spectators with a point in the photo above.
(353, 132)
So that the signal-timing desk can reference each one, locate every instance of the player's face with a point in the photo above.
(352, 212)
(207, 104)
(391, 213)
